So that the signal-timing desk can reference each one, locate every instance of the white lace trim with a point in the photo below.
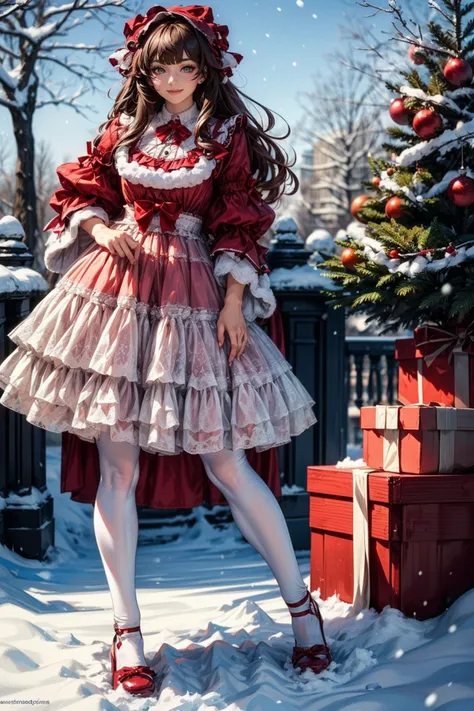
(258, 298)
(196, 313)
(226, 128)
(159, 178)
(61, 250)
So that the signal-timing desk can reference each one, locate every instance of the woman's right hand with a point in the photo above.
(116, 242)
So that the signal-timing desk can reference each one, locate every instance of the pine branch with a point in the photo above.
(407, 290)
(466, 9)
(389, 280)
(442, 37)
(462, 304)
(401, 135)
(469, 29)
(414, 79)
(434, 300)
(369, 297)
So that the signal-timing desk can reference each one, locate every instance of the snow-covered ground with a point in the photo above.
(216, 632)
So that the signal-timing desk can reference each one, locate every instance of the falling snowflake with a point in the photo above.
(266, 34)
(315, 17)
(264, 78)
(446, 289)
(254, 51)
(279, 9)
(431, 699)
(294, 64)
(300, 3)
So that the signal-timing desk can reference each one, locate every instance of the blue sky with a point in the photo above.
(273, 70)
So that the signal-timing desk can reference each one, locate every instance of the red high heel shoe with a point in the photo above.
(318, 656)
(137, 680)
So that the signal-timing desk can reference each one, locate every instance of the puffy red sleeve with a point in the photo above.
(90, 187)
(238, 216)
(236, 220)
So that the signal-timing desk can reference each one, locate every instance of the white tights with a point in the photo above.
(255, 511)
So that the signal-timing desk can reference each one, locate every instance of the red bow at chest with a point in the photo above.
(144, 210)
(174, 128)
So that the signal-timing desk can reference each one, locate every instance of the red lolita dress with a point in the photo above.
(133, 348)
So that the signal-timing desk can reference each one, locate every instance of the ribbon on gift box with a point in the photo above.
(361, 539)
(432, 341)
(387, 419)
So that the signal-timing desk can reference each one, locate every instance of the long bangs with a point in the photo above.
(170, 42)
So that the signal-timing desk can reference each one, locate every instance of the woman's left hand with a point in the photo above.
(232, 320)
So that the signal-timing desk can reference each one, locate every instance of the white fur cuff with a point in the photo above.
(258, 298)
(63, 249)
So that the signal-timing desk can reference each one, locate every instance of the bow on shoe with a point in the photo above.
(127, 672)
(169, 213)
(174, 127)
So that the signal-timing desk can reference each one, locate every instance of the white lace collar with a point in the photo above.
(164, 115)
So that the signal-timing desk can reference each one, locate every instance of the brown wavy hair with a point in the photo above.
(167, 43)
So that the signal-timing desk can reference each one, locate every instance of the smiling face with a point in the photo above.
(175, 82)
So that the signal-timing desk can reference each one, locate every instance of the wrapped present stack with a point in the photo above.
(400, 531)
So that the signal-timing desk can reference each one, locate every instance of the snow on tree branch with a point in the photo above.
(28, 34)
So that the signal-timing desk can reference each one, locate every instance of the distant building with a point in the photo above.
(332, 173)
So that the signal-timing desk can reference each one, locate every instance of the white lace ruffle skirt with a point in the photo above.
(133, 349)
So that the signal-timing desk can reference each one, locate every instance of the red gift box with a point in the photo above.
(415, 549)
(418, 439)
(436, 366)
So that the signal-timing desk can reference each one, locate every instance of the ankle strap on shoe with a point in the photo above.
(298, 604)
(122, 630)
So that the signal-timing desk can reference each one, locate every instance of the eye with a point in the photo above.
(188, 66)
(157, 70)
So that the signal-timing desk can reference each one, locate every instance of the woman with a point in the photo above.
(156, 238)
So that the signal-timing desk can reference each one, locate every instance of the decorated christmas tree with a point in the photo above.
(413, 261)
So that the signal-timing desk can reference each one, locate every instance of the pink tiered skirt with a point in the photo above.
(133, 349)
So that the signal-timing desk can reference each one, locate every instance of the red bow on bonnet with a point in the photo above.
(199, 16)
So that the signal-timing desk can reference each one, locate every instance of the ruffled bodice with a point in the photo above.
(159, 180)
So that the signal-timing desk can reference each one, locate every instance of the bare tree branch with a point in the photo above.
(34, 39)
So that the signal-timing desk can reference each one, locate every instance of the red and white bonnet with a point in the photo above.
(200, 16)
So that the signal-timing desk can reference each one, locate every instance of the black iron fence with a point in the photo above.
(370, 378)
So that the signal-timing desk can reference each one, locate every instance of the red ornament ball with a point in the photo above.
(461, 191)
(376, 181)
(451, 249)
(399, 113)
(415, 55)
(457, 71)
(356, 205)
(394, 208)
(427, 123)
(393, 254)
(390, 171)
(349, 258)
